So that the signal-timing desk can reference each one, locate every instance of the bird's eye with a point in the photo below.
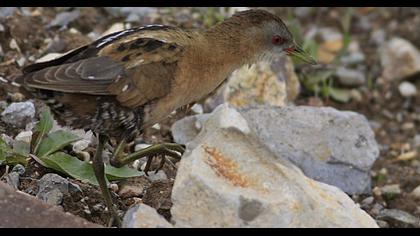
(277, 40)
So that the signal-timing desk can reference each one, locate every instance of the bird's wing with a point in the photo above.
(136, 65)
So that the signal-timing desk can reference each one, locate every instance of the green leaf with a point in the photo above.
(55, 141)
(313, 81)
(340, 95)
(71, 166)
(83, 171)
(41, 129)
(4, 149)
(15, 159)
(124, 172)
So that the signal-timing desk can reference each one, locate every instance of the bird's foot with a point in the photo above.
(163, 150)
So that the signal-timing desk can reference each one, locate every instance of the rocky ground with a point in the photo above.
(247, 164)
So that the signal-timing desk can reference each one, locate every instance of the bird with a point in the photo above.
(129, 80)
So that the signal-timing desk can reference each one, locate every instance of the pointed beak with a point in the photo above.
(301, 54)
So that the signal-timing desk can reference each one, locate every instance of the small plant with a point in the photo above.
(45, 149)
(320, 81)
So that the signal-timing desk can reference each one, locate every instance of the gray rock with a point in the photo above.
(6, 11)
(18, 113)
(52, 188)
(144, 216)
(331, 146)
(227, 178)
(407, 89)
(64, 18)
(302, 12)
(13, 179)
(367, 202)
(350, 77)
(186, 129)
(160, 175)
(399, 216)
(353, 58)
(20, 169)
(132, 14)
(382, 224)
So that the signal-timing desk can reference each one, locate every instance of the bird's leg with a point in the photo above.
(169, 149)
(99, 169)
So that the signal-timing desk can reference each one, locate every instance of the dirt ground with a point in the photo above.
(395, 119)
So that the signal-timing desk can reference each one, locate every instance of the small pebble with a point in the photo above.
(416, 193)
(160, 175)
(367, 202)
(382, 224)
(114, 187)
(407, 89)
(391, 189)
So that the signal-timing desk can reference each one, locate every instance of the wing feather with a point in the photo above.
(136, 68)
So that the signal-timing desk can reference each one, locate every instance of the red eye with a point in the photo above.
(277, 40)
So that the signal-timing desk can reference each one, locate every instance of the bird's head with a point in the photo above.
(272, 34)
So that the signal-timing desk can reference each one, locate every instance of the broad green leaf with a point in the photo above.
(41, 129)
(55, 141)
(124, 172)
(340, 95)
(71, 166)
(83, 171)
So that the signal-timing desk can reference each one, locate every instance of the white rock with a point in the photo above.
(24, 136)
(407, 89)
(399, 59)
(18, 113)
(330, 146)
(231, 180)
(224, 116)
(144, 216)
(416, 192)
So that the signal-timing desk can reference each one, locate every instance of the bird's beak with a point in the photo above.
(301, 54)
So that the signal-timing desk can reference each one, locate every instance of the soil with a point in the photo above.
(395, 120)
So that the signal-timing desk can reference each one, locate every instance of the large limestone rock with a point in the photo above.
(227, 178)
(330, 146)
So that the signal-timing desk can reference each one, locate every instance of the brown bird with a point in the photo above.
(129, 80)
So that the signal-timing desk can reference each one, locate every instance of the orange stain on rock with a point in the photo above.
(226, 168)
